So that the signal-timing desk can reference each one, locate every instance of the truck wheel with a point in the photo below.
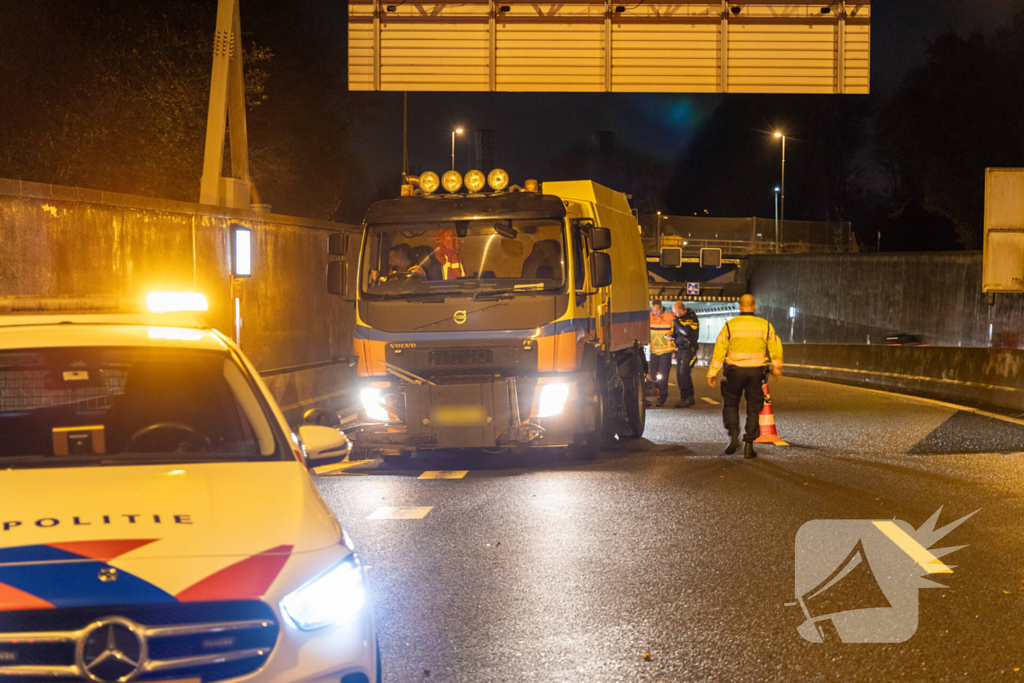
(636, 406)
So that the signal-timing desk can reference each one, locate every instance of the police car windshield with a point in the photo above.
(451, 258)
(127, 405)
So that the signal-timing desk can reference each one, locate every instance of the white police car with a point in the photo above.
(157, 520)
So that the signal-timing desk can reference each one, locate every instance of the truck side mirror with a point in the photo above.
(600, 238)
(600, 270)
(337, 278)
(337, 244)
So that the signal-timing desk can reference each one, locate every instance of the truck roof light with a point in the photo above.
(497, 179)
(429, 182)
(452, 181)
(530, 186)
(408, 190)
(165, 301)
(475, 180)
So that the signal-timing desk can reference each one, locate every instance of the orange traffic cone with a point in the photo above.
(767, 421)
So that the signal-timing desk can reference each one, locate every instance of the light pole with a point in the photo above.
(782, 186)
(457, 131)
(657, 233)
(776, 219)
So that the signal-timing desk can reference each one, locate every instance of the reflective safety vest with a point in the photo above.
(661, 333)
(747, 342)
(450, 269)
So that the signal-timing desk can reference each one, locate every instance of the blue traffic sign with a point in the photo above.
(693, 289)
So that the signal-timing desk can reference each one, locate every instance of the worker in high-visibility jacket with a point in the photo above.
(662, 346)
(746, 349)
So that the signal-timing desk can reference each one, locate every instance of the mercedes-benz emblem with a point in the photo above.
(111, 650)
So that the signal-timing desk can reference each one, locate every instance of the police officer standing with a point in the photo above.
(685, 332)
(746, 347)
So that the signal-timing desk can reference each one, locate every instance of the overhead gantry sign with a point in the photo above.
(754, 46)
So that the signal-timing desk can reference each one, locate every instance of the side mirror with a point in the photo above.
(337, 244)
(600, 238)
(337, 278)
(600, 270)
(323, 445)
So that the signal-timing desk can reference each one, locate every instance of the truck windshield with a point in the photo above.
(447, 258)
(126, 406)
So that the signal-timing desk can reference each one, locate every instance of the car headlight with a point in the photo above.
(333, 597)
(370, 398)
(552, 399)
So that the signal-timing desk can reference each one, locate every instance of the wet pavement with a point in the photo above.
(665, 560)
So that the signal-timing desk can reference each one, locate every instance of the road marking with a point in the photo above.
(917, 552)
(944, 404)
(444, 474)
(324, 469)
(709, 400)
(401, 513)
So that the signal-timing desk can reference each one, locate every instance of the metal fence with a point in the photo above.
(749, 235)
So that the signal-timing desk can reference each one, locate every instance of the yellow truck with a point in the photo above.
(499, 320)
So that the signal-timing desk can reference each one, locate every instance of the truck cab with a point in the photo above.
(500, 320)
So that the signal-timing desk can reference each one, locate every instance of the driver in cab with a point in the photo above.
(400, 262)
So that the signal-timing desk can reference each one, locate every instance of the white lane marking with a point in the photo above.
(444, 474)
(908, 397)
(709, 400)
(401, 513)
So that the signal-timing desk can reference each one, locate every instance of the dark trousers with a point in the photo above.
(684, 366)
(661, 364)
(745, 382)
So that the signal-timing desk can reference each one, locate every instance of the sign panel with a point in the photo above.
(692, 289)
(587, 46)
(1003, 269)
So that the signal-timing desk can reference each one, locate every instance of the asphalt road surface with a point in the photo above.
(665, 560)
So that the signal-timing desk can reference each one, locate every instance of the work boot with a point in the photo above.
(748, 450)
(686, 403)
(734, 443)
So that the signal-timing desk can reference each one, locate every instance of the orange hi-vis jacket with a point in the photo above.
(747, 342)
(661, 325)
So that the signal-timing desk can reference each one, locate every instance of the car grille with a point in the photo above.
(210, 641)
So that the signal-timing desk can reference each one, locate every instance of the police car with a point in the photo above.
(157, 520)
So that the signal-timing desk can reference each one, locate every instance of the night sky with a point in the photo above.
(533, 128)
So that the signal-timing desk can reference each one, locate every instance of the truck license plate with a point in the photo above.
(458, 416)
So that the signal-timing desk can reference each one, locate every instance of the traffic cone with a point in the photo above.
(767, 421)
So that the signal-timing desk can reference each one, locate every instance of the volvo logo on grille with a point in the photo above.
(459, 317)
(111, 650)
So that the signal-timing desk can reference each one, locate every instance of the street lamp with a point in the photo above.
(457, 131)
(776, 219)
(657, 233)
(779, 134)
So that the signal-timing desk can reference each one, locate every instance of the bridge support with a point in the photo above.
(227, 104)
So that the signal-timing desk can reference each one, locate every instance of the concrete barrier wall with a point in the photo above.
(993, 377)
(69, 242)
(854, 298)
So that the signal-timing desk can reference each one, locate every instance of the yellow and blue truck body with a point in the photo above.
(537, 340)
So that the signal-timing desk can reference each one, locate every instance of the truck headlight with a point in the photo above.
(370, 398)
(331, 598)
(552, 399)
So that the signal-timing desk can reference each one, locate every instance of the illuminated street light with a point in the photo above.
(657, 233)
(782, 186)
(457, 131)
